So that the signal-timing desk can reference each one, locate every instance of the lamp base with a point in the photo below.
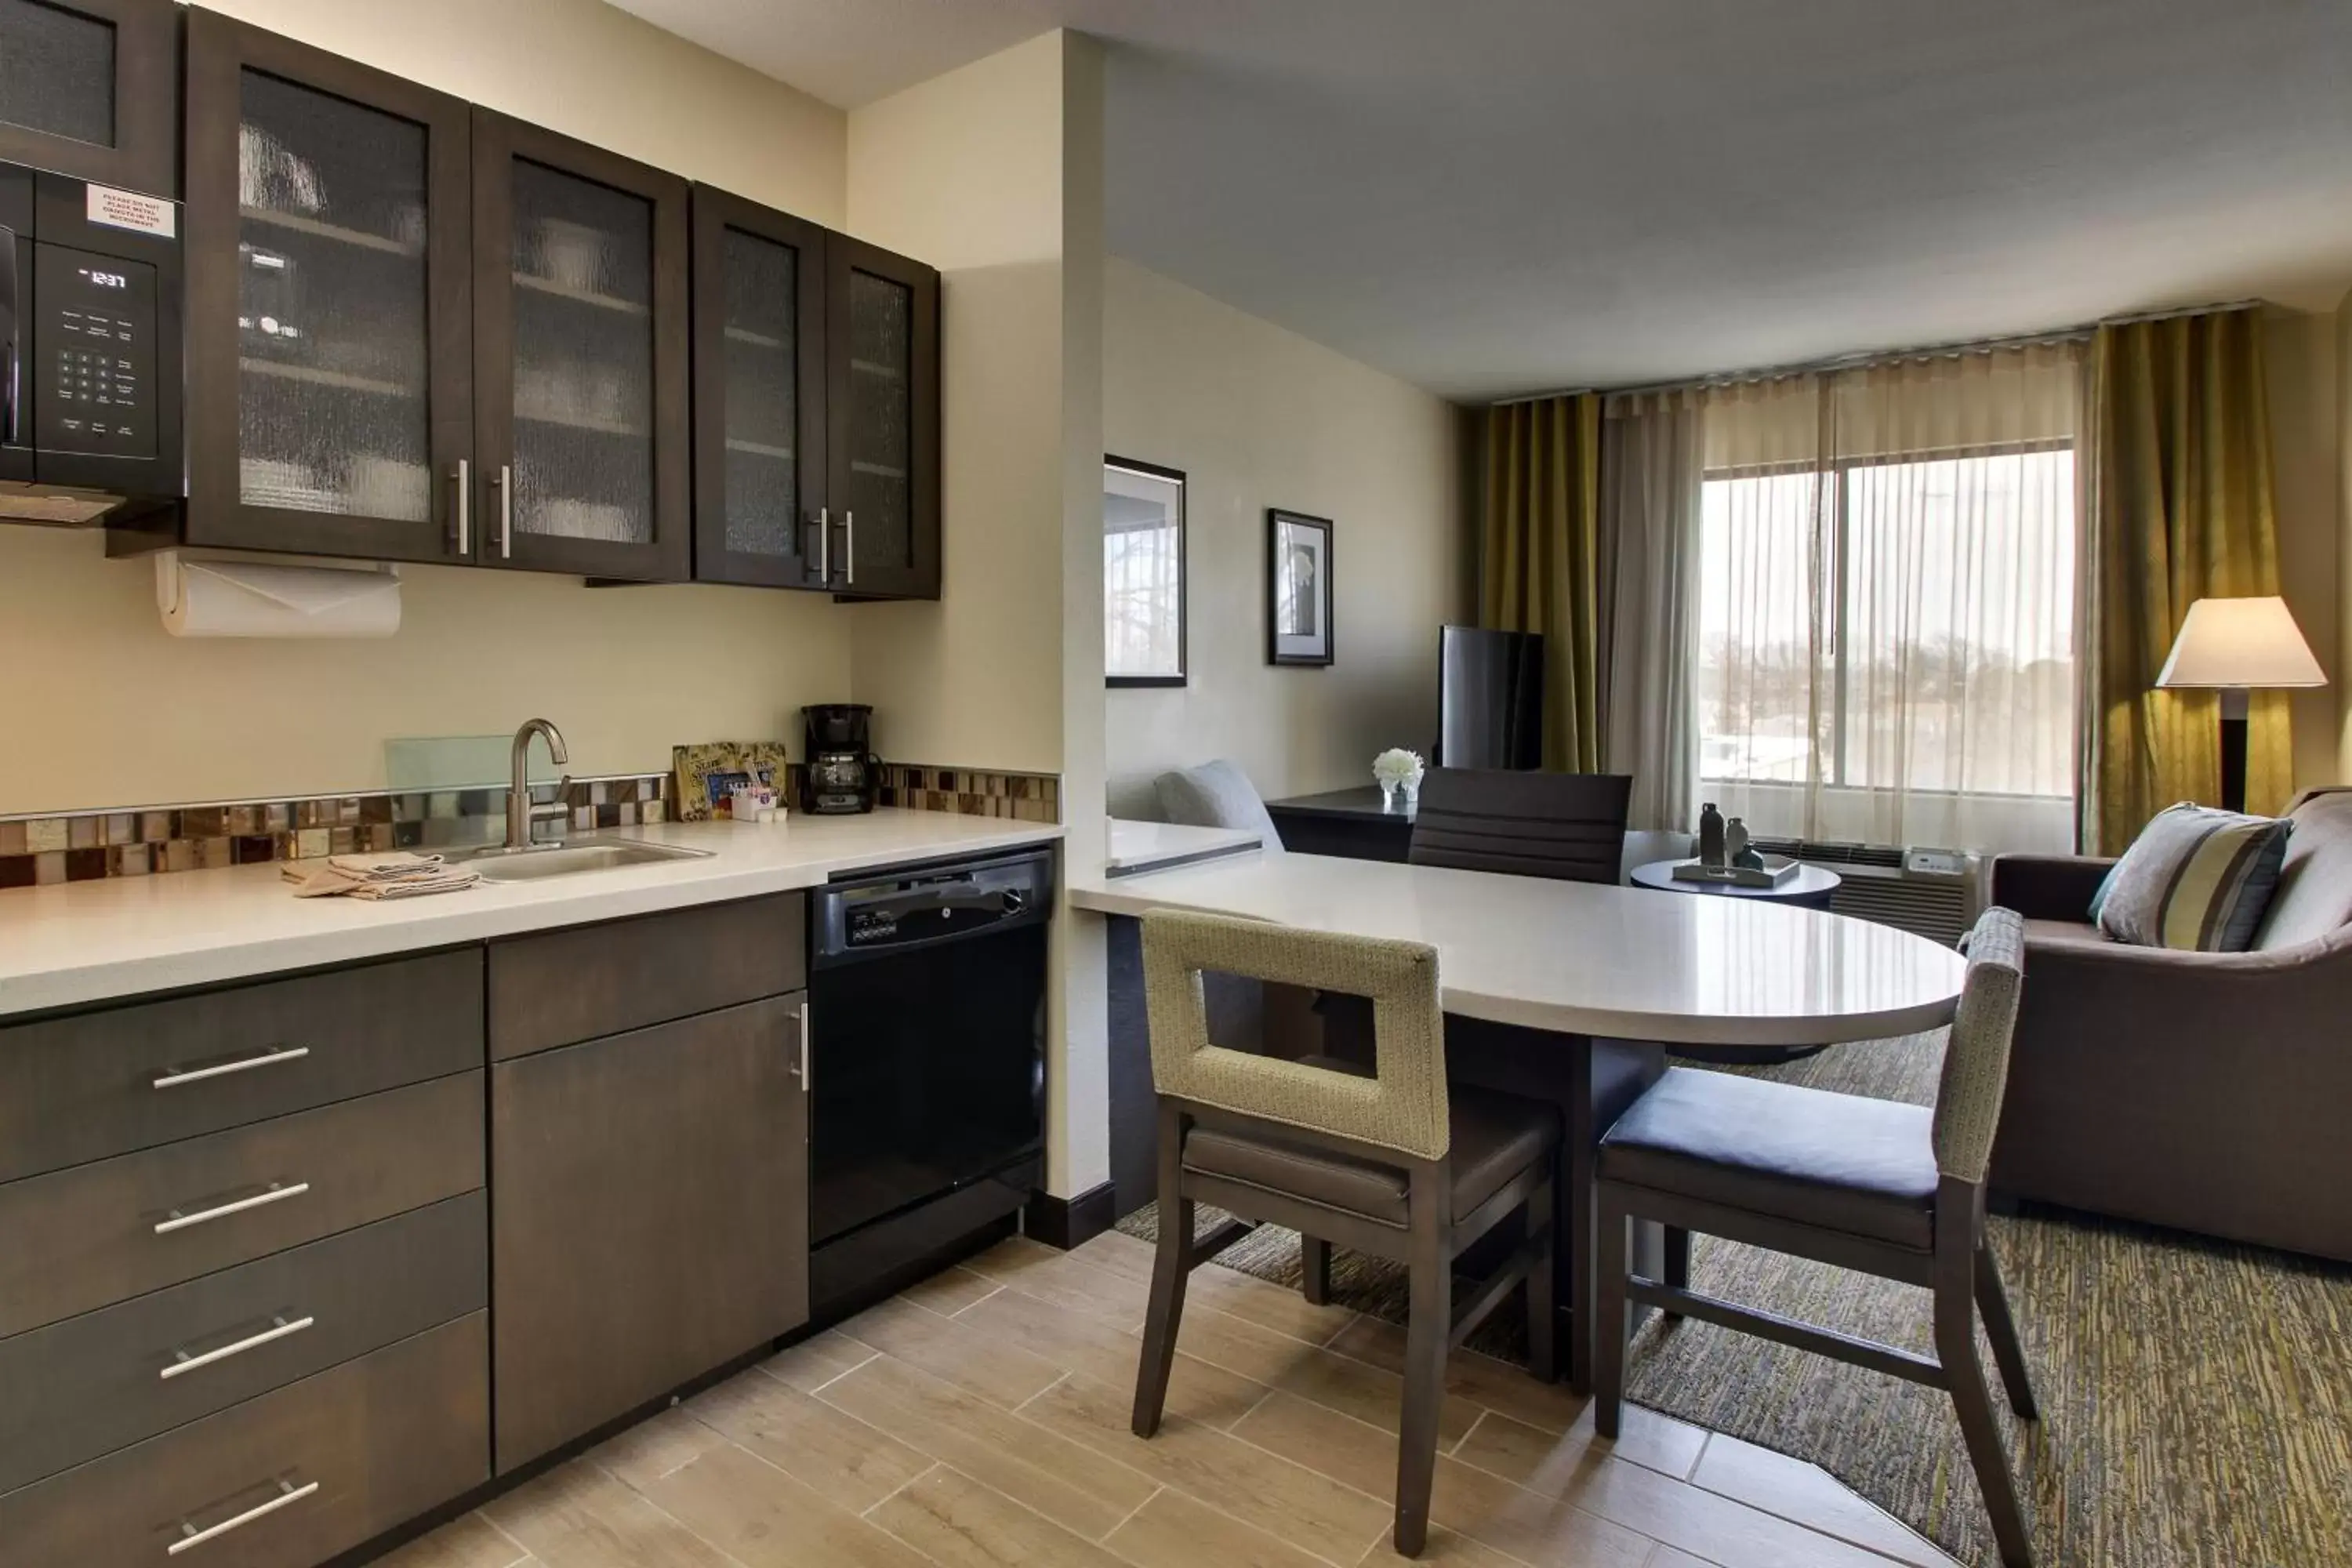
(2235, 707)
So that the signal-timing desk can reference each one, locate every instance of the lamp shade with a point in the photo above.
(2241, 644)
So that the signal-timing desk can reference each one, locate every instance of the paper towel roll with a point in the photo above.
(266, 599)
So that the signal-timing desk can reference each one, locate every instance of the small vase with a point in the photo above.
(1388, 795)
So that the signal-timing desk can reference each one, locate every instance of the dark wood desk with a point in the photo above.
(1349, 823)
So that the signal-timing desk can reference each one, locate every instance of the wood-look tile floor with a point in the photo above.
(980, 1419)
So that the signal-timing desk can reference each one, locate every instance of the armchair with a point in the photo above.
(2205, 1090)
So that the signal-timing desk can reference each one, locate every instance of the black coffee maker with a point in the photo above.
(840, 775)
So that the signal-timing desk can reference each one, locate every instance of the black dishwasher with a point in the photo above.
(926, 1061)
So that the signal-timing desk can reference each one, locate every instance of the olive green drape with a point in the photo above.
(1539, 557)
(2180, 511)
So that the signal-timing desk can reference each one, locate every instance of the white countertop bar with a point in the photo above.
(91, 942)
(1584, 959)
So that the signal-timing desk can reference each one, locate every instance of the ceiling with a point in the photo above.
(1490, 197)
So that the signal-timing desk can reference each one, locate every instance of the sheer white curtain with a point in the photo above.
(1651, 476)
(1886, 601)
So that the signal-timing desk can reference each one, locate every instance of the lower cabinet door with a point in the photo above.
(285, 1480)
(649, 1215)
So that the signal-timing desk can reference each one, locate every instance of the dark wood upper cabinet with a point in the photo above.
(759, 396)
(330, 407)
(882, 421)
(92, 89)
(579, 357)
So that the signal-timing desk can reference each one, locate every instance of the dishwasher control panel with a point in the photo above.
(914, 908)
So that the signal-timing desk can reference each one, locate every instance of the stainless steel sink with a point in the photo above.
(578, 855)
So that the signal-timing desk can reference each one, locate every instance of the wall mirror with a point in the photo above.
(1143, 574)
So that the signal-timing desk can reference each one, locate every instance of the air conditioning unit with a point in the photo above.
(1928, 892)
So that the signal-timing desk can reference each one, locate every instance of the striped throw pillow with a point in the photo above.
(2195, 879)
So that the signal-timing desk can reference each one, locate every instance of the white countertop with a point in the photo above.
(1584, 959)
(89, 941)
(1137, 846)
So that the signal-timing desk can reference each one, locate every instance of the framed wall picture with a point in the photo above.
(1143, 574)
(1297, 588)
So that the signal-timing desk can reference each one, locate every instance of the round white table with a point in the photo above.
(1811, 889)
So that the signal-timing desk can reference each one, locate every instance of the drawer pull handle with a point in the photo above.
(288, 1492)
(243, 1064)
(276, 1194)
(278, 1328)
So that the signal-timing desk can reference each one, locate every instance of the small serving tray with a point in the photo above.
(1775, 872)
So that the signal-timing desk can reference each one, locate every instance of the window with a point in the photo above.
(1886, 648)
(1143, 574)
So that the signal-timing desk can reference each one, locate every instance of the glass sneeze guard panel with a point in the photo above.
(584, 357)
(332, 407)
(57, 71)
(881, 416)
(761, 352)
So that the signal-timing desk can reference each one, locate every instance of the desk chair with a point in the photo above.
(1391, 1162)
(1571, 826)
(1897, 1190)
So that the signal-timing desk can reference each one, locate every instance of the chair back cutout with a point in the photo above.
(1567, 826)
(1976, 1062)
(1401, 1108)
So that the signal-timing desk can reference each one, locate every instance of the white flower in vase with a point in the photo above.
(1397, 769)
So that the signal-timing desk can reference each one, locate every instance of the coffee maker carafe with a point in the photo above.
(840, 774)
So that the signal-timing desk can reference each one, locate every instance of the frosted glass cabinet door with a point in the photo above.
(88, 88)
(759, 497)
(579, 357)
(882, 421)
(330, 407)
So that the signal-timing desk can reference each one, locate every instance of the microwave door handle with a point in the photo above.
(11, 393)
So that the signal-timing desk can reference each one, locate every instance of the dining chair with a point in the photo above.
(1895, 1191)
(1392, 1162)
(1571, 826)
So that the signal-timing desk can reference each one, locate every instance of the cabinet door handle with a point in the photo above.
(288, 1492)
(803, 1015)
(506, 512)
(824, 544)
(465, 508)
(280, 1328)
(849, 549)
(276, 1193)
(269, 1058)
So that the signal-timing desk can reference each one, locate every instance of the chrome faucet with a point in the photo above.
(521, 812)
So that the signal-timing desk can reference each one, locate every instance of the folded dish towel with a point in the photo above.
(399, 875)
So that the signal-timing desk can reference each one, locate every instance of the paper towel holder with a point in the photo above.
(171, 579)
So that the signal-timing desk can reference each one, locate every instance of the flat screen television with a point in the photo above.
(1490, 699)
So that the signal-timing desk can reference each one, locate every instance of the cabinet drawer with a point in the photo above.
(88, 1238)
(99, 1084)
(287, 1480)
(103, 1381)
(560, 987)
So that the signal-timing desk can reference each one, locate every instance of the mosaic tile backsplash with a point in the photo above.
(77, 846)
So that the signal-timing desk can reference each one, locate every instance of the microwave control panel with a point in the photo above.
(91, 376)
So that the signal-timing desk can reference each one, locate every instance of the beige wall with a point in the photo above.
(2301, 357)
(106, 709)
(1259, 416)
(993, 173)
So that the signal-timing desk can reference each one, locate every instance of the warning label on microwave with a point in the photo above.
(128, 209)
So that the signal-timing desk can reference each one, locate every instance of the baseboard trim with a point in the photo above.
(1065, 1223)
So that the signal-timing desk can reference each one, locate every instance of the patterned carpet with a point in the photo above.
(2196, 1397)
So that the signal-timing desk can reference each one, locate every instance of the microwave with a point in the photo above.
(89, 350)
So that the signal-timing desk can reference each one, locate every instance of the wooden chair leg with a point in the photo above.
(1170, 1266)
(1678, 1243)
(1314, 1265)
(1956, 1347)
(1543, 1319)
(1427, 1334)
(1609, 1264)
(1992, 1300)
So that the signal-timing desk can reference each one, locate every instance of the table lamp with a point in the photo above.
(2234, 647)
